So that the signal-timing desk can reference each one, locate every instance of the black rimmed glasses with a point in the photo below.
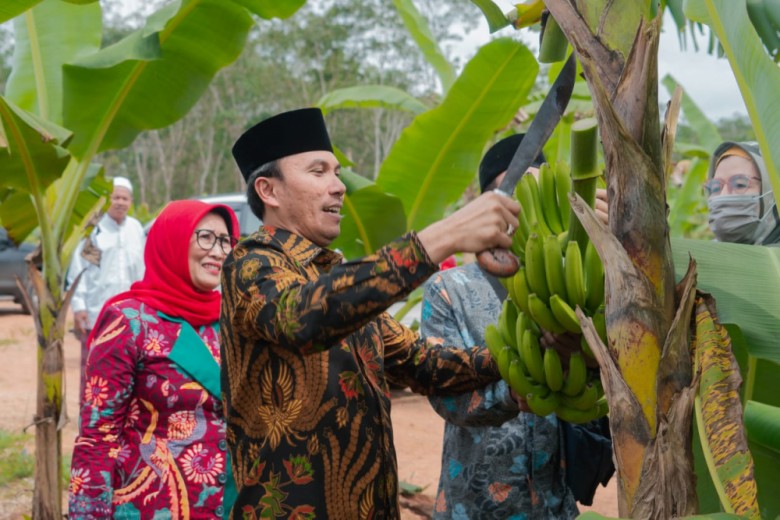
(207, 238)
(737, 184)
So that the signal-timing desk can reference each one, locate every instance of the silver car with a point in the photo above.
(13, 266)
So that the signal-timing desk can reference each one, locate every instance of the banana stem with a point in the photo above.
(554, 43)
(584, 172)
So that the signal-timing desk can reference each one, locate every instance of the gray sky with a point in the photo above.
(707, 80)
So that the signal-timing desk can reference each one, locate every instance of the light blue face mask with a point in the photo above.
(736, 218)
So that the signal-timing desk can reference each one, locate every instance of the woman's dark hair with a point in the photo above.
(270, 170)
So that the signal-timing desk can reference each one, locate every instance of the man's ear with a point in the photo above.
(266, 190)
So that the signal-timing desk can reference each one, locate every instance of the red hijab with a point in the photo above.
(167, 283)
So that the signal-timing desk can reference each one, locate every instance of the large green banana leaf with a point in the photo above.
(762, 422)
(371, 96)
(154, 76)
(31, 148)
(436, 157)
(272, 8)
(372, 218)
(426, 42)
(495, 17)
(745, 281)
(12, 8)
(46, 37)
(757, 75)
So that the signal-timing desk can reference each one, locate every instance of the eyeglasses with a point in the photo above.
(737, 184)
(207, 238)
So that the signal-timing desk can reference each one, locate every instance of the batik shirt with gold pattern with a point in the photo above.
(307, 354)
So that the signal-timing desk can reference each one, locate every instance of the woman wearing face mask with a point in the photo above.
(151, 440)
(740, 198)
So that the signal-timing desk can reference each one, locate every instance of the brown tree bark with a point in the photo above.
(646, 366)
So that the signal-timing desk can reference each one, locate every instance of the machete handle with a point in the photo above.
(498, 262)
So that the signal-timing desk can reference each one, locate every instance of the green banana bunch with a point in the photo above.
(556, 276)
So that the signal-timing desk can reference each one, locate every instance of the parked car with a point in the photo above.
(13, 266)
(247, 220)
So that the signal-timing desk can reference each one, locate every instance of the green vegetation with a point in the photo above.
(15, 461)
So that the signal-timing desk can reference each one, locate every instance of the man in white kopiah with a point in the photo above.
(111, 259)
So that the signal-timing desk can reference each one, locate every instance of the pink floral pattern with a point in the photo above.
(152, 439)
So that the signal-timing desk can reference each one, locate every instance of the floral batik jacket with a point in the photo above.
(152, 435)
(307, 351)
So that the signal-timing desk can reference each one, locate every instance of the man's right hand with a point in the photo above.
(479, 225)
(80, 322)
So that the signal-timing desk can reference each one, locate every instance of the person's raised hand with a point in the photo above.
(484, 223)
(602, 206)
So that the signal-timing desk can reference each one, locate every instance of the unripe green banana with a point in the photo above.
(564, 314)
(600, 323)
(523, 229)
(553, 369)
(509, 283)
(549, 198)
(563, 188)
(521, 383)
(574, 275)
(594, 278)
(585, 347)
(575, 416)
(553, 266)
(533, 188)
(531, 355)
(506, 323)
(542, 315)
(586, 400)
(543, 405)
(526, 322)
(534, 266)
(527, 202)
(493, 341)
(520, 325)
(563, 239)
(520, 286)
(504, 358)
(576, 376)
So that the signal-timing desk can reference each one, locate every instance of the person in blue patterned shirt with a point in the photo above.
(497, 461)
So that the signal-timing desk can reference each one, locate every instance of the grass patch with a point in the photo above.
(15, 461)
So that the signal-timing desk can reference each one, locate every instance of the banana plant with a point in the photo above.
(437, 155)
(67, 100)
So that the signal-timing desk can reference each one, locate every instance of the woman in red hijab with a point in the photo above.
(151, 437)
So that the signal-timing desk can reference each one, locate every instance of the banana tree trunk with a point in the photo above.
(646, 366)
(51, 412)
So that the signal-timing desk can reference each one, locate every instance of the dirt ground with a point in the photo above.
(418, 430)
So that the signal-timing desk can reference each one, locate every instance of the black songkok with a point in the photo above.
(497, 159)
(284, 134)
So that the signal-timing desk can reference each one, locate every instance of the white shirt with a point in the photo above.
(121, 264)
